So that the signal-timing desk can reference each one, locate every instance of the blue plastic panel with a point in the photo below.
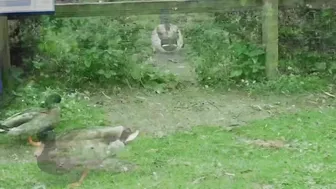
(12, 7)
(13, 3)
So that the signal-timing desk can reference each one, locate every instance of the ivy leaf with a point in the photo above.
(101, 72)
(87, 63)
(108, 75)
(256, 52)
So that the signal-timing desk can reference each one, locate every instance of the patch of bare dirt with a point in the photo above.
(262, 186)
(175, 63)
(160, 114)
(265, 143)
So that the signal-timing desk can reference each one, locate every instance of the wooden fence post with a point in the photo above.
(270, 37)
(4, 53)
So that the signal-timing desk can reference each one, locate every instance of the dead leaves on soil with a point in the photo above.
(265, 143)
(262, 186)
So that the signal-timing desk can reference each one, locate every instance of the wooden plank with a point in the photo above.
(270, 37)
(4, 52)
(125, 8)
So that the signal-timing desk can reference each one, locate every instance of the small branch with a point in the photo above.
(328, 94)
(106, 96)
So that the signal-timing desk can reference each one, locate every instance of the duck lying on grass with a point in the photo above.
(33, 121)
(83, 149)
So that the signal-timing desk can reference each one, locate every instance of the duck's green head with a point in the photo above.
(51, 100)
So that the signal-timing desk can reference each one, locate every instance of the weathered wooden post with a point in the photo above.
(13, 8)
(4, 53)
(270, 37)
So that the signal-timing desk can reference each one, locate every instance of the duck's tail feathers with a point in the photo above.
(3, 129)
(132, 136)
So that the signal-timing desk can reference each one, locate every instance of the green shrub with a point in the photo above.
(291, 84)
(101, 51)
(228, 50)
(223, 58)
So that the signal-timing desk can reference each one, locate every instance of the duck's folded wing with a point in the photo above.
(19, 118)
(88, 147)
(78, 153)
(103, 133)
(37, 124)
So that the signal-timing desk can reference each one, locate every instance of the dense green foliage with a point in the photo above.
(229, 50)
(85, 51)
(225, 50)
(100, 50)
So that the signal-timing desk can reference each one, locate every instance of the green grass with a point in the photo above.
(293, 84)
(209, 157)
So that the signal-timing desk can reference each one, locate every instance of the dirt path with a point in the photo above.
(175, 63)
(164, 113)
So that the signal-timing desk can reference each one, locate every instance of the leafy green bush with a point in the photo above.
(307, 41)
(80, 51)
(24, 35)
(291, 84)
(223, 58)
(229, 49)
(226, 49)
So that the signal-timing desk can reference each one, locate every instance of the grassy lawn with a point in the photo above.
(291, 151)
(197, 131)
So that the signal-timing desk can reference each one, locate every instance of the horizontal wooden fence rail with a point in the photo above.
(125, 8)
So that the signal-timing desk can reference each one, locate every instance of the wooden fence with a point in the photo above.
(126, 8)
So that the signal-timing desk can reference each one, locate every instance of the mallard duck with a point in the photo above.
(83, 149)
(166, 37)
(33, 121)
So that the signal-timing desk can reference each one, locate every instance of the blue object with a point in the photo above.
(13, 3)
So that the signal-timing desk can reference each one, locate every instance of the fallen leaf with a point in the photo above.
(198, 180)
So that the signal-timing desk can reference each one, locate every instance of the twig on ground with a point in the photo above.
(106, 96)
(328, 94)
